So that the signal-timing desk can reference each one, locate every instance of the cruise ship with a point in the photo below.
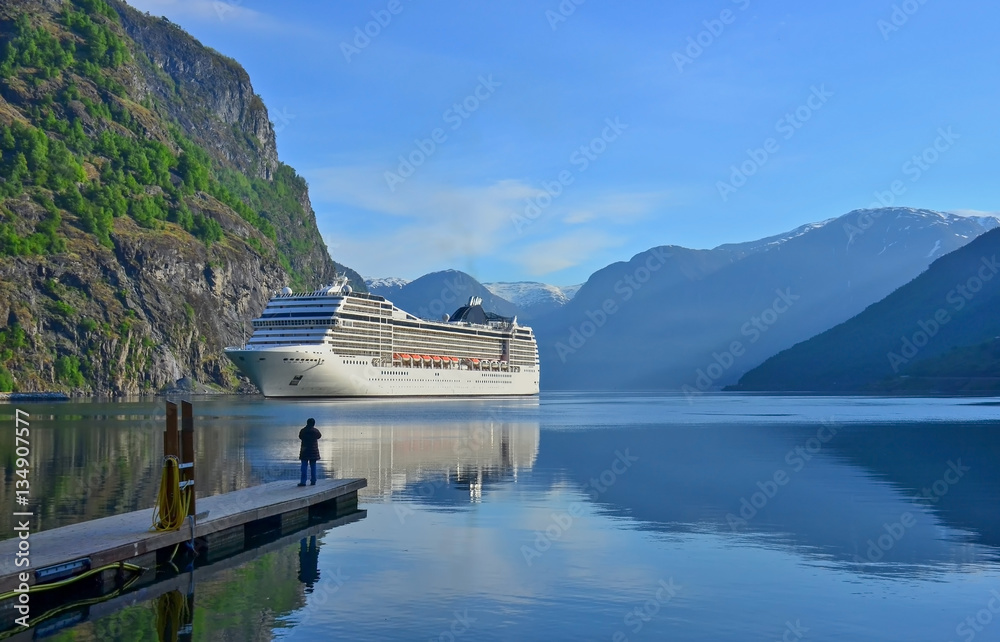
(335, 342)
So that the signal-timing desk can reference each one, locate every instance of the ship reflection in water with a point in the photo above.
(443, 462)
(440, 452)
(434, 463)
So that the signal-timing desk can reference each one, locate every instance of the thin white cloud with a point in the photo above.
(431, 226)
(564, 252)
(577, 217)
(427, 224)
(361, 187)
(619, 208)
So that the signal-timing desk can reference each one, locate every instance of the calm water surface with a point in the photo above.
(572, 516)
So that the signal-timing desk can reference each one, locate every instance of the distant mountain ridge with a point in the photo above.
(936, 333)
(672, 318)
(524, 299)
(769, 242)
(439, 293)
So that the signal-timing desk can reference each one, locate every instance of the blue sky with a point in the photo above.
(622, 123)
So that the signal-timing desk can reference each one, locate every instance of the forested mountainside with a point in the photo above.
(936, 334)
(145, 217)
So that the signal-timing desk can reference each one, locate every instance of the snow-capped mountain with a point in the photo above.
(533, 298)
(770, 242)
(530, 299)
(385, 286)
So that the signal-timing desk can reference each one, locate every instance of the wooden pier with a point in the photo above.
(211, 529)
(150, 587)
(226, 522)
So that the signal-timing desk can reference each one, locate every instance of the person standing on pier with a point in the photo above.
(309, 451)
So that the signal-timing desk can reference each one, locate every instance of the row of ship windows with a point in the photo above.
(362, 350)
(401, 339)
(434, 380)
(420, 343)
(517, 357)
(468, 334)
(413, 380)
(365, 325)
(360, 347)
(405, 344)
(269, 324)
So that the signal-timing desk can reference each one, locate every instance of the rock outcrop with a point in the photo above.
(183, 230)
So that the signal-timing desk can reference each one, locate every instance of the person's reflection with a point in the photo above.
(309, 562)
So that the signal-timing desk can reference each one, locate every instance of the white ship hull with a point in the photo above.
(312, 371)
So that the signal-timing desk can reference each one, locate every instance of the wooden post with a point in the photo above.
(171, 444)
(187, 451)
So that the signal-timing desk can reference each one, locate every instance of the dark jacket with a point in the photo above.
(310, 444)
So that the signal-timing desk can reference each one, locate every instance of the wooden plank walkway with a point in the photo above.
(125, 537)
(147, 591)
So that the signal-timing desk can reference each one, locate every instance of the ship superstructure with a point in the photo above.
(334, 342)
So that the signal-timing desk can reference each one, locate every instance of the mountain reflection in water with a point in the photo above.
(558, 518)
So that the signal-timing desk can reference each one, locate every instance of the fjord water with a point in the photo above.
(573, 516)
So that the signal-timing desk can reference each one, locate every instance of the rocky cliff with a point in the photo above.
(145, 217)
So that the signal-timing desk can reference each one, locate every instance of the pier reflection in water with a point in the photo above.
(856, 519)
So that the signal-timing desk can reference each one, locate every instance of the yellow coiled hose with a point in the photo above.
(137, 572)
(171, 501)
